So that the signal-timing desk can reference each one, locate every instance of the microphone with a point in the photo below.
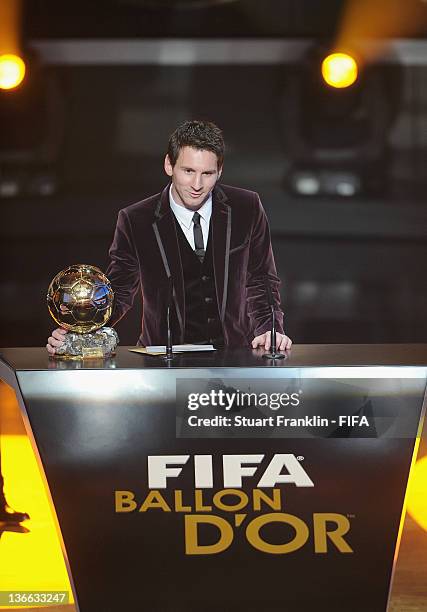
(169, 350)
(273, 354)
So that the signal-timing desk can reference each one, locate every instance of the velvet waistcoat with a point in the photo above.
(202, 323)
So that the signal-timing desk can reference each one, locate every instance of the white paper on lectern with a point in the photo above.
(181, 348)
(177, 348)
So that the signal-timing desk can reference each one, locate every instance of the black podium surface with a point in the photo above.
(222, 481)
(303, 355)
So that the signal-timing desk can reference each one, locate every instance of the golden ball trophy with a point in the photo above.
(80, 300)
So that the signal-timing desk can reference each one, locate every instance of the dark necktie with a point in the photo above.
(198, 237)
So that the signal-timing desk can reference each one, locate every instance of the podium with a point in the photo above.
(223, 481)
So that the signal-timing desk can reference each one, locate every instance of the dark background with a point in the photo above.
(85, 135)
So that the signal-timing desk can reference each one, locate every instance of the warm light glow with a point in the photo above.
(339, 70)
(417, 493)
(30, 561)
(371, 26)
(12, 71)
(10, 26)
(30, 555)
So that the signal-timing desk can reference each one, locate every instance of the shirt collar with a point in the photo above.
(185, 216)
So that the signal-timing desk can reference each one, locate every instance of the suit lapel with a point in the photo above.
(221, 235)
(167, 240)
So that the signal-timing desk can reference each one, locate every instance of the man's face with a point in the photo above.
(193, 176)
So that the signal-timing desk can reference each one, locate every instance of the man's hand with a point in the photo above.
(55, 340)
(283, 343)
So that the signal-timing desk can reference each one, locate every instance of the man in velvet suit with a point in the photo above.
(206, 243)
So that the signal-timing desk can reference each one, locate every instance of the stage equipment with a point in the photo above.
(80, 300)
(169, 345)
(12, 71)
(336, 135)
(273, 354)
(339, 70)
(32, 131)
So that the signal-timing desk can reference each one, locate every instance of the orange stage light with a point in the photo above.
(339, 70)
(12, 71)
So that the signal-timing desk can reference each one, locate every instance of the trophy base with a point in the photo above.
(100, 344)
(83, 357)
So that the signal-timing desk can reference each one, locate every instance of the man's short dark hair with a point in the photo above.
(201, 135)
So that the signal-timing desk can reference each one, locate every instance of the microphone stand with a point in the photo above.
(169, 349)
(273, 354)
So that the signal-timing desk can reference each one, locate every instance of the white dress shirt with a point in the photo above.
(184, 217)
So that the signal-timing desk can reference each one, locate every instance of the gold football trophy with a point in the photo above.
(80, 300)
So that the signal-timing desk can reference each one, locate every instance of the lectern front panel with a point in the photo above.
(244, 489)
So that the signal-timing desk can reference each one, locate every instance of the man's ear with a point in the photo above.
(168, 166)
(220, 172)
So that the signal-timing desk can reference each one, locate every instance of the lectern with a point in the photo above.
(225, 482)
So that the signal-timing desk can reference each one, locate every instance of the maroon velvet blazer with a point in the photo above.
(145, 253)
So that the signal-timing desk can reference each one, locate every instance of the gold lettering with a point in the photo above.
(321, 534)
(124, 501)
(154, 500)
(178, 503)
(192, 546)
(300, 538)
(217, 500)
(275, 502)
(198, 498)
